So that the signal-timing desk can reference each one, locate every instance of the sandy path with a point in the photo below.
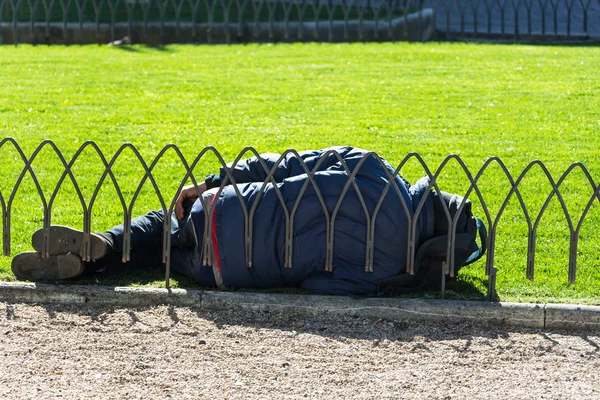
(66, 352)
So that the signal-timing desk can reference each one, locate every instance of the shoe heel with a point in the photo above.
(31, 266)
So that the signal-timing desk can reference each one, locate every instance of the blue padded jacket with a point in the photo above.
(309, 230)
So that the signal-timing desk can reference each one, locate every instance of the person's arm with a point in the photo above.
(187, 197)
(212, 181)
(252, 169)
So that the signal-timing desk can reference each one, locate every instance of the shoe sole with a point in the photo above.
(31, 266)
(64, 240)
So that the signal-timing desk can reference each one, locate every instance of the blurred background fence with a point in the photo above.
(241, 21)
(27, 179)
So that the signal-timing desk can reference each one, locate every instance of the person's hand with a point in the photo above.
(187, 197)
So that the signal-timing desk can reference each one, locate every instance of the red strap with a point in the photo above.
(214, 234)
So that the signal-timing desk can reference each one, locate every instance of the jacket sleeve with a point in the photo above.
(252, 169)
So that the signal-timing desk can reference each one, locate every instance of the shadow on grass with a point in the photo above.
(154, 277)
(534, 40)
(128, 48)
(466, 288)
(134, 277)
(144, 48)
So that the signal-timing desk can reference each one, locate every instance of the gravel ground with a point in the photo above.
(57, 351)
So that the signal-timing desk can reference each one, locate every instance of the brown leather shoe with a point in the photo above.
(31, 267)
(65, 240)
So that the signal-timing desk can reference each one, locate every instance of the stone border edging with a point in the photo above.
(541, 316)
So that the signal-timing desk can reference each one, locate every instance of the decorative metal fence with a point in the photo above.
(517, 19)
(240, 21)
(371, 213)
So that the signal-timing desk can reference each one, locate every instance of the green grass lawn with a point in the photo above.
(517, 102)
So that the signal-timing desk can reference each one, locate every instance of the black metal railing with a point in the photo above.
(235, 21)
(518, 18)
(472, 181)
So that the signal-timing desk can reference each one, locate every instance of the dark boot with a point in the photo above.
(64, 240)
(30, 266)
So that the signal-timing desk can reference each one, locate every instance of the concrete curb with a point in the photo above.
(541, 316)
(570, 316)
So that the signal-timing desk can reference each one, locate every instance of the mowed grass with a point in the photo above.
(520, 103)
